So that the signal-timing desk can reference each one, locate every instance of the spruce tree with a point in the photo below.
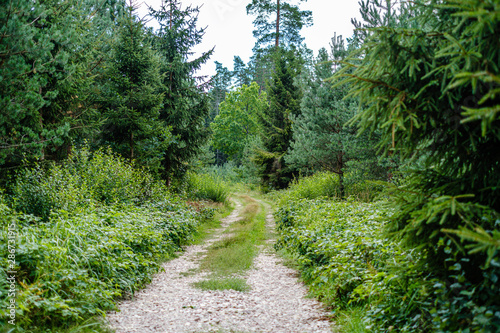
(320, 140)
(186, 103)
(276, 122)
(133, 96)
(45, 67)
(427, 79)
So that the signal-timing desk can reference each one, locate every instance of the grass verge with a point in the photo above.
(350, 320)
(233, 283)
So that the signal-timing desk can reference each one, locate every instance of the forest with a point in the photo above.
(379, 155)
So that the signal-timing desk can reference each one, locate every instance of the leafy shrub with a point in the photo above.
(38, 191)
(85, 180)
(326, 185)
(346, 258)
(90, 230)
(74, 266)
(339, 244)
(207, 187)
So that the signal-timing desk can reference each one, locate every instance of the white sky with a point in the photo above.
(229, 29)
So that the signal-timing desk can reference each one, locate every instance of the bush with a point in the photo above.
(347, 259)
(83, 181)
(75, 266)
(326, 185)
(207, 187)
(90, 230)
(339, 244)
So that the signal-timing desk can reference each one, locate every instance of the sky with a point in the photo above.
(229, 29)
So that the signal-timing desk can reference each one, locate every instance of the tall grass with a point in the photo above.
(207, 187)
(327, 185)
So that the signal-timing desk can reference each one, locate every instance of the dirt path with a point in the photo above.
(276, 302)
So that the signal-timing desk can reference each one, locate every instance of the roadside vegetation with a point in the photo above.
(90, 231)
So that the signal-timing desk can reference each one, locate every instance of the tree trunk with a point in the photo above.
(278, 26)
(341, 185)
(131, 146)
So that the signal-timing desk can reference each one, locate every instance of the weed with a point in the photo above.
(208, 187)
(231, 283)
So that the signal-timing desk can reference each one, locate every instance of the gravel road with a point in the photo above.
(276, 302)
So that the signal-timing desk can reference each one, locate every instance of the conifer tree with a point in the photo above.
(45, 72)
(276, 122)
(186, 103)
(427, 78)
(220, 83)
(320, 140)
(133, 98)
(241, 72)
(278, 23)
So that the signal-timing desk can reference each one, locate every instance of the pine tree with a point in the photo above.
(277, 25)
(284, 29)
(241, 72)
(133, 96)
(186, 104)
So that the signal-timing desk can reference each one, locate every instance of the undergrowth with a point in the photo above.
(369, 280)
(89, 232)
(207, 186)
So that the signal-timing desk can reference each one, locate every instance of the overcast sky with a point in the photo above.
(229, 29)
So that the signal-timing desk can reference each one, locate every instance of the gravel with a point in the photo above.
(276, 302)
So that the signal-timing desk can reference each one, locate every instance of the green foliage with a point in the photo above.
(426, 78)
(86, 180)
(276, 121)
(241, 72)
(327, 185)
(132, 97)
(238, 120)
(207, 187)
(320, 185)
(339, 244)
(185, 105)
(41, 78)
(348, 260)
(74, 266)
(89, 231)
(321, 139)
(220, 82)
